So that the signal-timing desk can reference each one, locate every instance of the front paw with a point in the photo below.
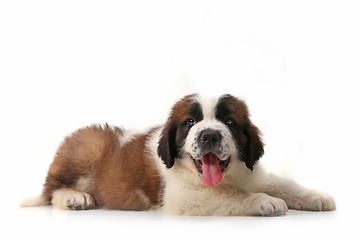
(312, 200)
(265, 205)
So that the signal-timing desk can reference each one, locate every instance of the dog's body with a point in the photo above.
(201, 162)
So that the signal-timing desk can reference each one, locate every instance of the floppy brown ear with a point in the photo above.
(167, 145)
(254, 148)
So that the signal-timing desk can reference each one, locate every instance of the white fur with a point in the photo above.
(240, 192)
(71, 199)
(151, 149)
(208, 104)
(127, 136)
(63, 198)
(34, 202)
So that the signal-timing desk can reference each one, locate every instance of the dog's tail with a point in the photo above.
(35, 201)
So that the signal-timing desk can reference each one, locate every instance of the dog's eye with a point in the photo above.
(190, 121)
(228, 120)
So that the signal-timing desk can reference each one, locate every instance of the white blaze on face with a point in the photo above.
(208, 106)
(209, 161)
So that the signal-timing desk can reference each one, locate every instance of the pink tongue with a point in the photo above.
(211, 172)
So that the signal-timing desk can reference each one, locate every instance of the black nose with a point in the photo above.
(210, 137)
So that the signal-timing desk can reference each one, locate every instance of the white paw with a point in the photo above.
(72, 200)
(312, 200)
(265, 205)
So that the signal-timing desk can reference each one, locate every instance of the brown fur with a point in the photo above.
(95, 152)
(246, 134)
(171, 134)
(107, 167)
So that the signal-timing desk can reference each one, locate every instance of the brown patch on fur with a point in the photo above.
(182, 108)
(173, 134)
(123, 177)
(246, 134)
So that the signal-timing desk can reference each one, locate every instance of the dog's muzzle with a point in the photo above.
(212, 156)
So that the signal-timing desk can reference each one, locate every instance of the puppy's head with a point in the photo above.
(211, 132)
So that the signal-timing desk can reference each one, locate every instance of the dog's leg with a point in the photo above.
(222, 201)
(295, 196)
(69, 199)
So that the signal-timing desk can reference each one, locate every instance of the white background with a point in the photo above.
(68, 64)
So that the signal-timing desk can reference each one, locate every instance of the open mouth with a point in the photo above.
(211, 168)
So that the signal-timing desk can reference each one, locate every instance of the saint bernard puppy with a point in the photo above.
(201, 162)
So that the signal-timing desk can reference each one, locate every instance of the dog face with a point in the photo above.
(211, 132)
